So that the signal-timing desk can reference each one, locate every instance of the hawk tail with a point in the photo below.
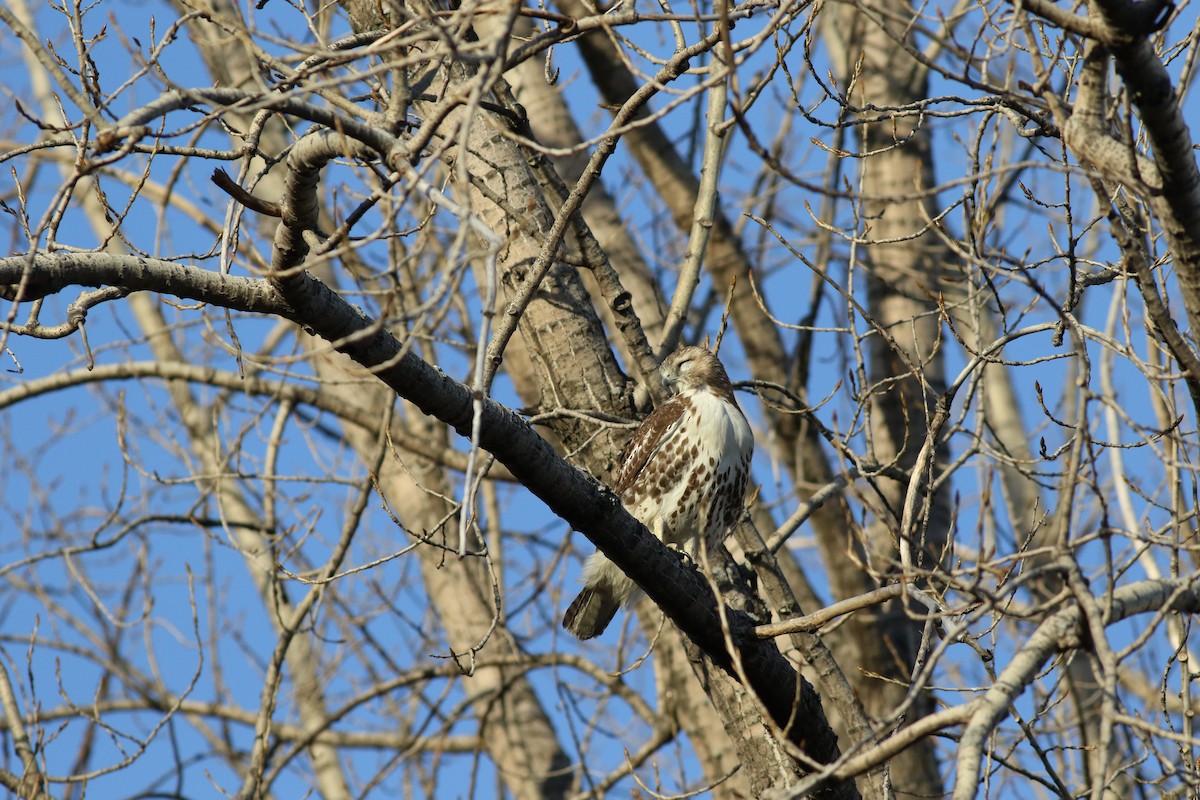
(591, 611)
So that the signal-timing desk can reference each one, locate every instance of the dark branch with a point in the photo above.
(585, 504)
(572, 494)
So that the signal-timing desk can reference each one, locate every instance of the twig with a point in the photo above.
(810, 623)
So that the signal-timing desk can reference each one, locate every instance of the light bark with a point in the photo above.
(905, 262)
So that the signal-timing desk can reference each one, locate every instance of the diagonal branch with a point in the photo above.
(570, 493)
(577, 498)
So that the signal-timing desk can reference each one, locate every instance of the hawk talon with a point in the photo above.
(683, 554)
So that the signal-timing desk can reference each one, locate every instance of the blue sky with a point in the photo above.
(69, 440)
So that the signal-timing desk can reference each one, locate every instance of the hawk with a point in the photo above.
(682, 475)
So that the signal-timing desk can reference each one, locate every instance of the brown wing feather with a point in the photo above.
(646, 441)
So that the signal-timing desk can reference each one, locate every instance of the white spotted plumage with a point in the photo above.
(677, 492)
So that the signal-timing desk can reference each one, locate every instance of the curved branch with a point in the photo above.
(51, 273)
(573, 495)
(365, 418)
(1125, 30)
(1065, 630)
(132, 125)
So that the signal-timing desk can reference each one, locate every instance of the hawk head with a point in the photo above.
(691, 369)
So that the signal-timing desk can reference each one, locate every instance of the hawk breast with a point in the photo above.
(685, 471)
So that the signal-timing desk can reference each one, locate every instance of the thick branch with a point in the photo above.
(570, 493)
(587, 506)
(51, 273)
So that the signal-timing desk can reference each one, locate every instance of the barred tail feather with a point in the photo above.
(590, 612)
(605, 590)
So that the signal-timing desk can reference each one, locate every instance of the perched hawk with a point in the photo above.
(683, 476)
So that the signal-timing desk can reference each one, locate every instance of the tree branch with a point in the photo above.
(580, 500)
(51, 273)
(570, 493)
(1063, 631)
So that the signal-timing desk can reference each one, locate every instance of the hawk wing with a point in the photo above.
(650, 437)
